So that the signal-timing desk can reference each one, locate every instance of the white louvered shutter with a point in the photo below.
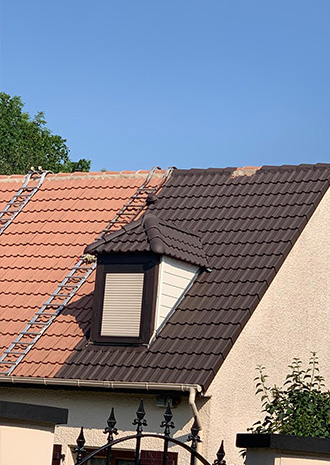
(122, 304)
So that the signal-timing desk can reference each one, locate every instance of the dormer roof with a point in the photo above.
(151, 234)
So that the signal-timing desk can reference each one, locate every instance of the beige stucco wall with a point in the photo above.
(292, 320)
(91, 410)
(25, 442)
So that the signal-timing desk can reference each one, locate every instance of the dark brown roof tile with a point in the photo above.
(150, 234)
(248, 224)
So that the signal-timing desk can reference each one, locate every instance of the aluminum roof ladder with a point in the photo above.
(33, 181)
(84, 267)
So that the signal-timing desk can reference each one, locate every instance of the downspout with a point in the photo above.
(192, 403)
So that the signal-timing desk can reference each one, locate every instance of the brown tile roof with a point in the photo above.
(44, 242)
(150, 234)
(248, 224)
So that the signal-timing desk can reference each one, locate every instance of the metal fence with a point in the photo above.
(140, 422)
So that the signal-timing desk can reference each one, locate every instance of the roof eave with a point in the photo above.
(111, 385)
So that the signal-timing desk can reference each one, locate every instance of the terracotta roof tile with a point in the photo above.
(43, 243)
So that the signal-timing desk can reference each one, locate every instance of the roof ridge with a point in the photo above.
(84, 175)
(169, 224)
(301, 166)
(230, 169)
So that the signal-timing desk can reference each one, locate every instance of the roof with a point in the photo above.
(42, 245)
(248, 225)
(150, 234)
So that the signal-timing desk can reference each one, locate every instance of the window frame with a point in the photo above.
(147, 457)
(126, 263)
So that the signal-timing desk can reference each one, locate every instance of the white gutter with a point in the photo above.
(103, 384)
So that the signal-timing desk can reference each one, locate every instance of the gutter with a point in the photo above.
(195, 388)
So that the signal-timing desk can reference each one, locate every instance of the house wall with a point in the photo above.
(91, 410)
(25, 442)
(292, 320)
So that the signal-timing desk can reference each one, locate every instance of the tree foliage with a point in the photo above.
(300, 407)
(26, 142)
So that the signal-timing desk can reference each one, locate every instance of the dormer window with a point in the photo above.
(143, 272)
(124, 298)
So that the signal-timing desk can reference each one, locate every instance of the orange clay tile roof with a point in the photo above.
(41, 246)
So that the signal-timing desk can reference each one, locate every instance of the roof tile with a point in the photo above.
(247, 225)
(41, 246)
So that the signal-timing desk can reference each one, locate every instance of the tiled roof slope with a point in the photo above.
(150, 234)
(44, 242)
(249, 224)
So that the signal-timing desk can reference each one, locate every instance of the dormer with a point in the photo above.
(143, 271)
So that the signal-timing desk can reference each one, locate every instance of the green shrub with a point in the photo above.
(300, 407)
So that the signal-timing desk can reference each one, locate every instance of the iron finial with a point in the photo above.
(140, 413)
(220, 456)
(81, 438)
(193, 436)
(167, 423)
(111, 429)
(139, 420)
(79, 450)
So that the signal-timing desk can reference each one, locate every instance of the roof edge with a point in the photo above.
(85, 175)
(63, 382)
(231, 169)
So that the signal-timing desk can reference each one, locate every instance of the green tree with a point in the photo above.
(26, 142)
(300, 407)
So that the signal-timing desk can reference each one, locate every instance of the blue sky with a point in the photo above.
(136, 83)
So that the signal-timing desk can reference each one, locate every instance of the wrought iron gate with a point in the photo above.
(140, 422)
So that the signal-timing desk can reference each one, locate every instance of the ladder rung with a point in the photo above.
(29, 333)
(52, 305)
(46, 314)
(83, 268)
(23, 342)
(75, 277)
(8, 363)
(60, 295)
(38, 323)
(67, 285)
(14, 352)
